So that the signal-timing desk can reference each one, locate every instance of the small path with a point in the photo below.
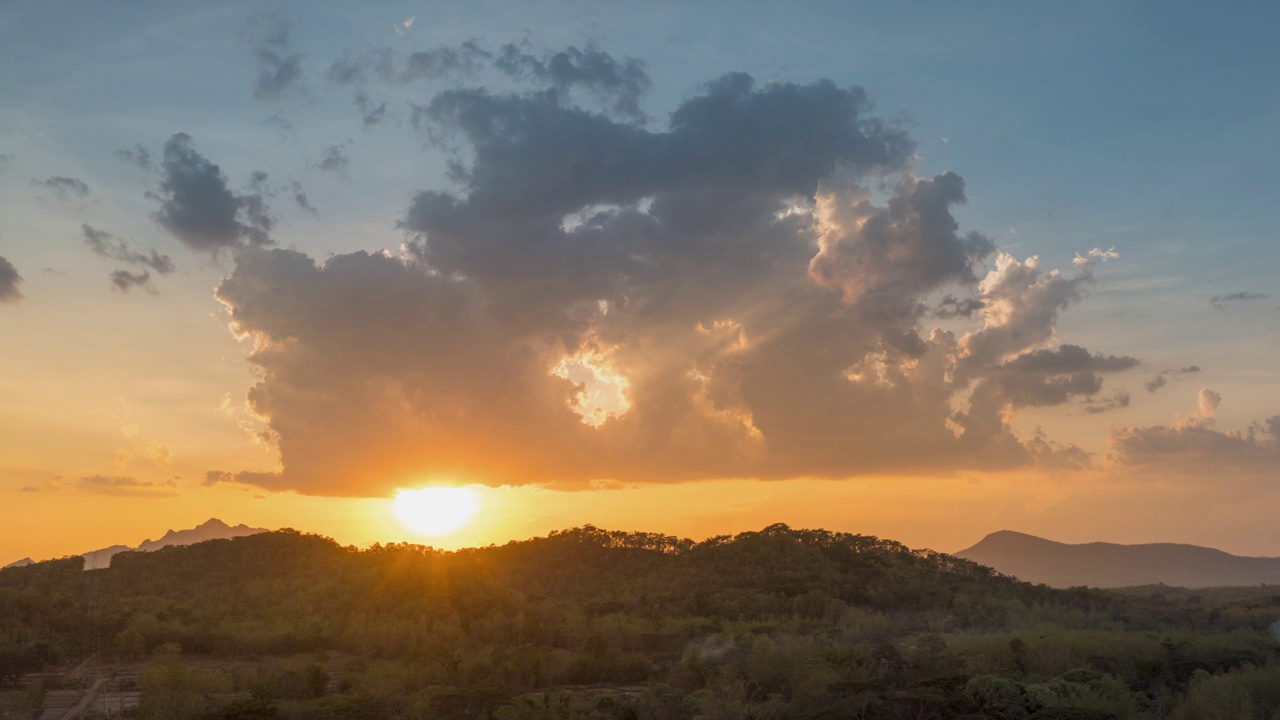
(89, 696)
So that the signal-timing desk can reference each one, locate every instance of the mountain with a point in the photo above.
(21, 563)
(213, 529)
(1106, 565)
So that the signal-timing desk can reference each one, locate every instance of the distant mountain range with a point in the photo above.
(1108, 565)
(213, 529)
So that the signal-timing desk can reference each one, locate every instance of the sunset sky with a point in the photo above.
(923, 271)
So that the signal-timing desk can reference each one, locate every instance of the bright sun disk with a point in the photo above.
(435, 511)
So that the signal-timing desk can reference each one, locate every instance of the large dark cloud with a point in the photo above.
(724, 297)
(279, 65)
(9, 282)
(198, 206)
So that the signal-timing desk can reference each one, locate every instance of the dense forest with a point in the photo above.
(588, 623)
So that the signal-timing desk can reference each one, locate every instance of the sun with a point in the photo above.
(435, 511)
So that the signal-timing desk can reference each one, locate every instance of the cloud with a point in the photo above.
(1190, 446)
(124, 281)
(65, 188)
(137, 156)
(335, 159)
(1162, 379)
(198, 207)
(724, 297)
(125, 486)
(300, 197)
(9, 282)
(1220, 301)
(383, 65)
(951, 307)
(108, 246)
(1094, 256)
(620, 85)
(279, 66)
(370, 114)
(1207, 403)
(1115, 402)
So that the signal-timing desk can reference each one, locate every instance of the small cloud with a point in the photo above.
(618, 84)
(1220, 301)
(405, 25)
(137, 156)
(125, 486)
(1160, 380)
(65, 188)
(300, 197)
(1115, 402)
(1208, 402)
(279, 66)
(1094, 256)
(951, 307)
(30, 489)
(159, 454)
(124, 281)
(335, 159)
(111, 247)
(9, 282)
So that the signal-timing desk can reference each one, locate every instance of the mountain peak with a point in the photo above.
(211, 529)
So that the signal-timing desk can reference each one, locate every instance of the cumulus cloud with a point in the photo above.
(724, 297)
(198, 207)
(1220, 301)
(64, 188)
(279, 65)
(9, 282)
(1192, 446)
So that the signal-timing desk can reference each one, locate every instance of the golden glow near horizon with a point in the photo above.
(435, 511)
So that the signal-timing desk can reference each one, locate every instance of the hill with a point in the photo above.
(590, 623)
(1109, 565)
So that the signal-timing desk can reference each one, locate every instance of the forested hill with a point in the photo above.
(822, 623)
(1108, 565)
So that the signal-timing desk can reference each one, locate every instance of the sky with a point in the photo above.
(920, 271)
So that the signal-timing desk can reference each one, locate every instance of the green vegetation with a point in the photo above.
(588, 623)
